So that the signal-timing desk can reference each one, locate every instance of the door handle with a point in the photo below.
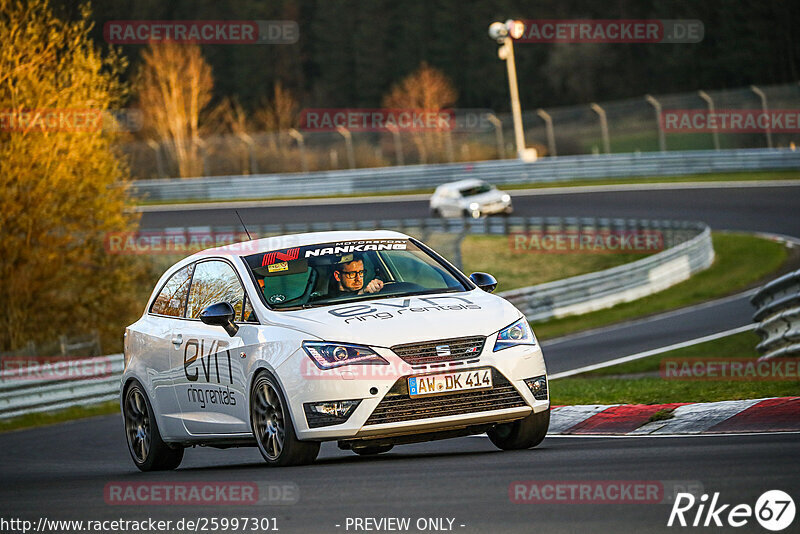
(177, 340)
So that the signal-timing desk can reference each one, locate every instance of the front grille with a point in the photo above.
(397, 406)
(459, 348)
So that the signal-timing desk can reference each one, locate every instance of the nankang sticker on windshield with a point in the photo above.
(346, 247)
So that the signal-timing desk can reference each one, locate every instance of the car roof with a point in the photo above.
(469, 182)
(280, 242)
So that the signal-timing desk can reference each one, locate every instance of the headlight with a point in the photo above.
(474, 206)
(518, 333)
(505, 198)
(332, 355)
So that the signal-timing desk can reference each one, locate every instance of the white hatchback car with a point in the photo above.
(367, 338)
(469, 198)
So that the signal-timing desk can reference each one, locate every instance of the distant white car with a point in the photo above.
(370, 339)
(469, 198)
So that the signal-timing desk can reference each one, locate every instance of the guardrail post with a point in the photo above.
(715, 134)
(551, 136)
(662, 141)
(603, 126)
(764, 110)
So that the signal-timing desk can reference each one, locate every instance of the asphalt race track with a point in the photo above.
(596, 346)
(60, 472)
(763, 209)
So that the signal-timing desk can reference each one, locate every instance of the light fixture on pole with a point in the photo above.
(505, 33)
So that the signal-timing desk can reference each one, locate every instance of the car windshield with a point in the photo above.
(344, 271)
(476, 190)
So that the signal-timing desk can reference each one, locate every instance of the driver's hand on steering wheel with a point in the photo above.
(373, 287)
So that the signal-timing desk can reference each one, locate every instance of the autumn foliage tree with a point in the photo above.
(174, 87)
(426, 89)
(62, 189)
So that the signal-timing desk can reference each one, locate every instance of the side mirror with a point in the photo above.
(220, 314)
(484, 281)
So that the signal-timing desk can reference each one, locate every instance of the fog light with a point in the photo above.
(329, 413)
(538, 386)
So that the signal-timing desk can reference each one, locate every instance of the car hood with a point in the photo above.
(392, 321)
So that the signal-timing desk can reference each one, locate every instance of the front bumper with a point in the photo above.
(387, 410)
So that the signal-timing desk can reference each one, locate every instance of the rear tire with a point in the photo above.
(272, 426)
(372, 450)
(148, 451)
(522, 434)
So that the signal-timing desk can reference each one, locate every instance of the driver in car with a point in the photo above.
(349, 278)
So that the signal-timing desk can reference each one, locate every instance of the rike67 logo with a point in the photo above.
(774, 510)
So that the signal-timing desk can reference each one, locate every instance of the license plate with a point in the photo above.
(420, 386)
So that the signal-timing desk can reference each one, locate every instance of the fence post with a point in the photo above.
(348, 139)
(764, 109)
(398, 144)
(603, 126)
(551, 136)
(301, 143)
(662, 141)
(248, 141)
(156, 148)
(715, 134)
(498, 132)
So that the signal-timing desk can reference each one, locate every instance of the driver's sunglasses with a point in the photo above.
(351, 275)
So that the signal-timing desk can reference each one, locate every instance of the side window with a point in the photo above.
(249, 316)
(214, 281)
(172, 298)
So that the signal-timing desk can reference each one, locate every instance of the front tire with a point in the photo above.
(522, 434)
(272, 426)
(148, 451)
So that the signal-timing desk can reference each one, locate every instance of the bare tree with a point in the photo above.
(174, 87)
(425, 89)
(279, 113)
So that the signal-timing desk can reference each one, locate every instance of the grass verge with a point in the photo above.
(741, 260)
(495, 255)
(59, 416)
(711, 177)
(640, 382)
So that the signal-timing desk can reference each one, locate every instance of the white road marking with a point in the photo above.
(653, 352)
(635, 322)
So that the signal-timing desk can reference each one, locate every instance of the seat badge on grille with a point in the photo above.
(443, 350)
